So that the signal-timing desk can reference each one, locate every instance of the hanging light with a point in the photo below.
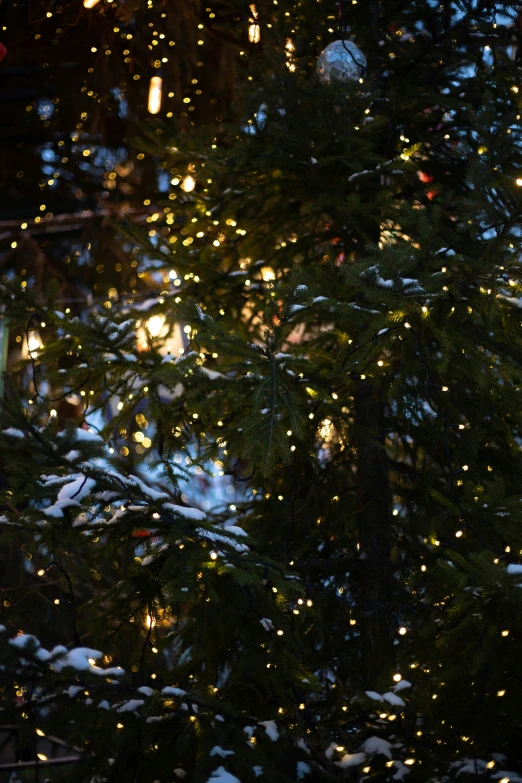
(188, 184)
(155, 87)
(254, 33)
(254, 30)
(90, 3)
(32, 345)
(157, 327)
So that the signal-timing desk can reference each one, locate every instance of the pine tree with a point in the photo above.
(344, 268)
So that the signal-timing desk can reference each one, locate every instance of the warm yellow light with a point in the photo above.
(254, 33)
(188, 184)
(213, 555)
(403, 631)
(458, 533)
(501, 693)
(90, 3)
(32, 345)
(42, 756)
(150, 622)
(397, 677)
(505, 633)
(155, 88)
(519, 183)
(409, 762)
(40, 733)
(155, 325)
(267, 273)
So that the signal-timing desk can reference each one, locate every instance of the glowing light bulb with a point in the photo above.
(188, 184)
(213, 555)
(155, 325)
(397, 677)
(403, 631)
(90, 3)
(254, 33)
(267, 273)
(32, 345)
(155, 89)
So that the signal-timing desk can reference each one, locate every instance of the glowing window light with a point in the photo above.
(155, 88)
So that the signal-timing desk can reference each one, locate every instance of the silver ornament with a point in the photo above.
(342, 61)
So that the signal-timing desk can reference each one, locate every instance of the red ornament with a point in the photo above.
(3, 51)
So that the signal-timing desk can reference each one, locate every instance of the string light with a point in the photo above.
(90, 3)
(155, 90)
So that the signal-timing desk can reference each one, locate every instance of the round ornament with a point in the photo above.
(341, 61)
